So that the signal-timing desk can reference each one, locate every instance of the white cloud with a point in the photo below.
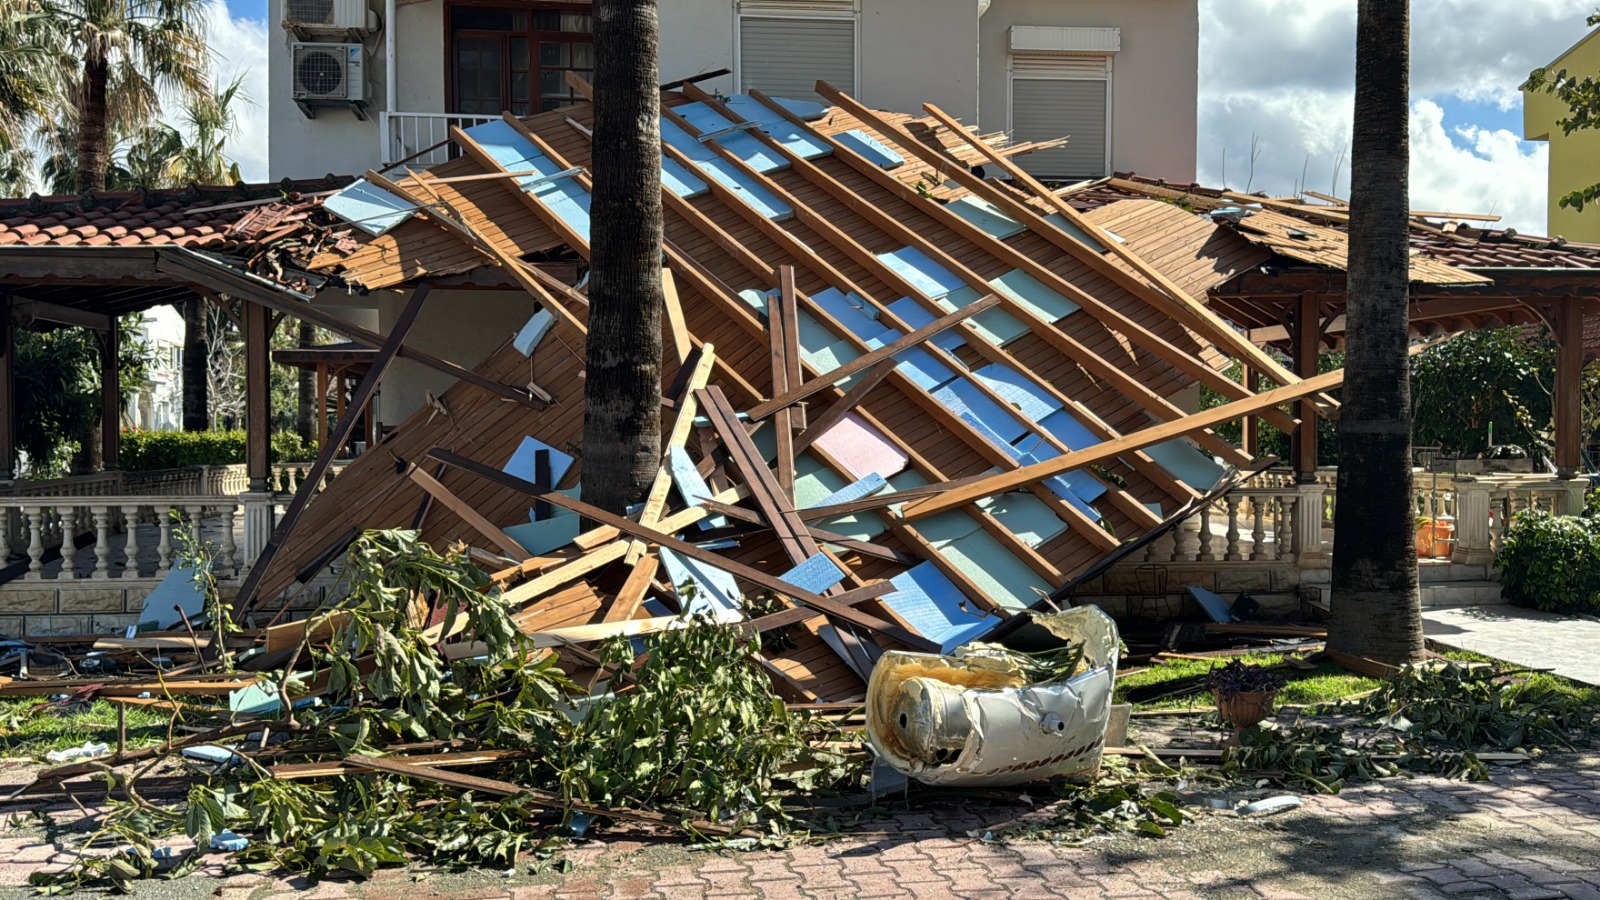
(239, 49)
(1283, 71)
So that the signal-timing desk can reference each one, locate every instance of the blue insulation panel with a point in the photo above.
(691, 486)
(791, 136)
(1077, 234)
(985, 215)
(1084, 486)
(521, 463)
(824, 351)
(712, 588)
(995, 325)
(369, 207)
(1064, 427)
(911, 312)
(962, 395)
(946, 528)
(920, 366)
(933, 607)
(849, 310)
(1020, 391)
(815, 484)
(816, 574)
(1186, 463)
(725, 173)
(869, 148)
(732, 138)
(533, 332)
(1034, 296)
(564, 196)
(926, 275)
(756, 299)
(678, 179)
(856, 490)
(988, 433)
(546, 534)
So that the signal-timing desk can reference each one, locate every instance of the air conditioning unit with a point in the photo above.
(329, 72)
(334, 16)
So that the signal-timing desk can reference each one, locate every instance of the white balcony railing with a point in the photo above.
(418, 138)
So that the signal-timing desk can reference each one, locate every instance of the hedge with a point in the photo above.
(1551, 562)
(144, 451)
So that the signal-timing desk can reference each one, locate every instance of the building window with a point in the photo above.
(516, 58)
(784, 54)
(1061, 87)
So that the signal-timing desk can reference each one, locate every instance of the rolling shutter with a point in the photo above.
(786, 57)
(1055, 95)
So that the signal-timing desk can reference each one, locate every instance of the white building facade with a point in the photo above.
(357, 84)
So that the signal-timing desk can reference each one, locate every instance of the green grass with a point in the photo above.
(31, 728)
(1328, 681)
(1539, 682)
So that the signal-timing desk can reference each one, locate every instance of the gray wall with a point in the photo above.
(1154, 82)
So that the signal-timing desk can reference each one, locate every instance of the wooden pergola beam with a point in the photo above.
(54, 313)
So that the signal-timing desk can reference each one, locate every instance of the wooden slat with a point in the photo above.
(472, 517)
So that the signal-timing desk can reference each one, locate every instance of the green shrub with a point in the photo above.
(1551, 562)
(144, 451)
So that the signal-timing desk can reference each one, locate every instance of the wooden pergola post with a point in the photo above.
(258, 393)
(1568, 393)
(1249, 426)
(110, 397)
(1306, 340)
(8, 392)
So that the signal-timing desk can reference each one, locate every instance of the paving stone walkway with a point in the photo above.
(1531, 832)
(1566, 645)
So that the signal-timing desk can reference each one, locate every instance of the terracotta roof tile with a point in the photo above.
(186, 216)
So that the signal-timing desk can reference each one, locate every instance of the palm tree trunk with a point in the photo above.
(1376, 611)
(305, 388)
(92, 140)
(196, 350)
(622, 420)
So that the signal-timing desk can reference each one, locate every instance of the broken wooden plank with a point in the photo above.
(469, 515)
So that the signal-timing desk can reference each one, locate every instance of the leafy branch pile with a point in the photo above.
(691, 730)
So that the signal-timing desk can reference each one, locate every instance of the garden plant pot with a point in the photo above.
(1245, 708)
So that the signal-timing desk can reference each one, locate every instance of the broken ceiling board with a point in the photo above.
(1025, 516)
(855, 314)
(923, 273)
(915, 316)
(177, 591)
(822, 349)
(996, 326)
(540, 536)
(1186, 464)
(1034, 296)
(369, 207)
(775, 125)
(700, 586)
(1032, 401)
(524, 462)
(932, 605)
(985, 215)
(1324, 245)
(1002, 576)
(725, 173)
(963, 397)
(946, 528)
(862, 449)
(919, 365)
(870, 148)
(554, 186)
(692, 488)
(817, 485)
(533, 332)
(1065, 427)
(714, 127)
(817, 574)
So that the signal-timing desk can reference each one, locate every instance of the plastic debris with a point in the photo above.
(85, 751)
(1270, 805)
(228, 842)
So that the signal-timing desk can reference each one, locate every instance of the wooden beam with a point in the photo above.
(246, 599)
(199, 269)
(1569, 388)
(258, 397)
(1307, 347)
(56, 314)
(868, 360)
(967, 490)
(472, 517)
(111, 396)
(819, 425)
(782, 331)
(633, 591)
(733, 567)
(677, 325)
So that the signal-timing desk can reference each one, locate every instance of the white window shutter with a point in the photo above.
(785, 57)
(1067, 98)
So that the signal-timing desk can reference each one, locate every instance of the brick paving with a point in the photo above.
(1531, 832)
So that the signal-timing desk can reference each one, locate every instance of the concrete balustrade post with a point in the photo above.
(260, 517)
(1474, 546)
(1309, 549)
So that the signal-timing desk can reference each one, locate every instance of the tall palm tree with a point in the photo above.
(1375, 607)
(211, 119)
(28, 84)
(130, 50)
(622, 395)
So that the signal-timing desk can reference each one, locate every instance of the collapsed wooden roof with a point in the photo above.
(1014, 372)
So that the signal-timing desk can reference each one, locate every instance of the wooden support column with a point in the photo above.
(1307, 343)
(110, 397)
(8, 392)
(257, 395)
(1249, 426)
(1569, 380)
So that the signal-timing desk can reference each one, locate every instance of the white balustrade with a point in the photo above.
(132, 535)
(414, 138)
